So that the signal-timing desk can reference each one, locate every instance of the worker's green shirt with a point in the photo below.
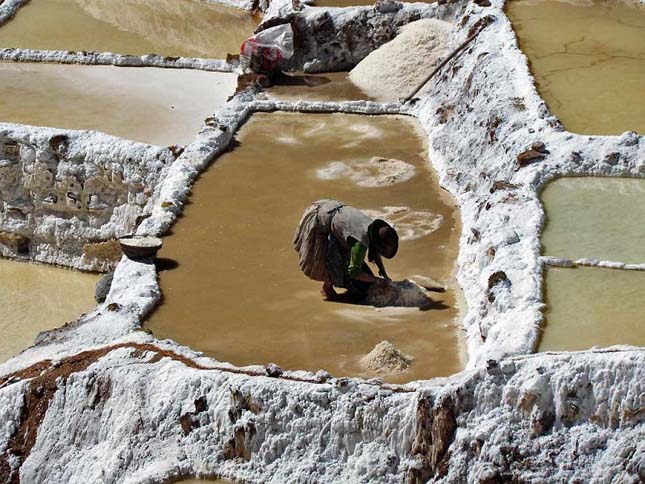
(356, 257)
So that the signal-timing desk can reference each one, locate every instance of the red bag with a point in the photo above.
(263, 52)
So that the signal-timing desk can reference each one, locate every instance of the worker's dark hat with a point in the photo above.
(384, 238)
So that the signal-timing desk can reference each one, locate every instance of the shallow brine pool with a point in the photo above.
(593, 307)
(588, 59)
(36, 298)
(188, 28)
(237, 293)
(157, 106)
(599, 218)
(330, 86)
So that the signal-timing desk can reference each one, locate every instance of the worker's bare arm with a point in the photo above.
(381, 269)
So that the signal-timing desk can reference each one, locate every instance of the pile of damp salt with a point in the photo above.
(398, 67)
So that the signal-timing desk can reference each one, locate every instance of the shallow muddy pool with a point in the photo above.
(237, 293)
(330, 86)
(36, 298)
(588, 59)
(188, 28)
(157, 106)
(593, 307)
(600, 218)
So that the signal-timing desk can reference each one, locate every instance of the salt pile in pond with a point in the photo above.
(385, 357)
(372, 173)
(398, 67)
(404, 294)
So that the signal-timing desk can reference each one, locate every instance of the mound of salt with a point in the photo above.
(372, 173)
(402, 294)
(396, 68)
(385, 357)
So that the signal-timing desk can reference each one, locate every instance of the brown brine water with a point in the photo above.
(593, 307)
(157, 106)
(35, 298)
(188, 28)
(588, 59)
(330, 86)
(600, 218)
(237, 293)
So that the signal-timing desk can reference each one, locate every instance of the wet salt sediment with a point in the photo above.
(36, 298)
(156, 106)
(237, 293)
(588, 59)
(187, 28)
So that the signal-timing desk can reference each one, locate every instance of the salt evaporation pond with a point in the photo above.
(599, 218)
(188, 28)
(237, 293)
(593, 307)
(588, 59)
(157, 106)
(36, 298)
(330, 86)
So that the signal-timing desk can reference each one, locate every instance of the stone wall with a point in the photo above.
(66, 195)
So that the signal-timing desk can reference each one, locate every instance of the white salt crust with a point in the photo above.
(548, 417)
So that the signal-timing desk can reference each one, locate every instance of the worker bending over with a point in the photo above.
(332, 240)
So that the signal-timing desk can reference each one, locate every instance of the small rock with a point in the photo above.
(502, 185)
(375, 381)
(496, 278)
(612, 159)
(113, 307)
(273, 370)
(575, 157)
(323, 376)
(629, 138)
(342, 384)
(201, 405)
(387, 6)
(103, 287)
(530, 156)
